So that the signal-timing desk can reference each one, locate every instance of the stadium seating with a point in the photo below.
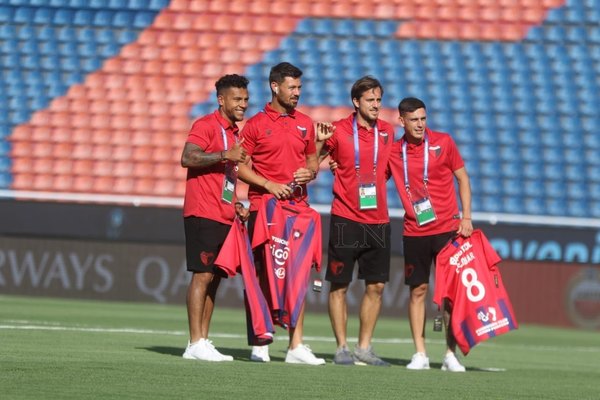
(117, 82)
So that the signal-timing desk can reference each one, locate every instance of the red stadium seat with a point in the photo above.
(43, 181)
(62, 150)
(124, 185)
(63, 183)
(103, 184)
(103, 168)
(63, 167)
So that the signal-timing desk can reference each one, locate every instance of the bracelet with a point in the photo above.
(222, 157)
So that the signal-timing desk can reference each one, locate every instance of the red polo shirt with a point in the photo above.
(204, 186)
(278, 145)
(346, 182)
(444, 159)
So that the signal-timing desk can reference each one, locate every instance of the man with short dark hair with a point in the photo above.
(424, 165)
(211, 154)
(280, 142)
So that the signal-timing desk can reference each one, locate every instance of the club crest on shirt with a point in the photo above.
(268, 132)
(297, 234)
(302, 130)
(437, 150)
(385, 137)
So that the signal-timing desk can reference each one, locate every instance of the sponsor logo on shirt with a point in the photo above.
(280, 252)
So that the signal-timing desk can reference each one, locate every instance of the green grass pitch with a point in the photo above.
(74, 349)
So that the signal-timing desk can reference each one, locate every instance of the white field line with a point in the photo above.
(50, 326)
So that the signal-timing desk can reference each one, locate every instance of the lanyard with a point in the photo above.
(356, 146)
(224, 138)
(425, 163)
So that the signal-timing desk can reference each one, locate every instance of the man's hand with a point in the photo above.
(236, 153)
(465, 228)
(304, 175)
(333, 165)
(324, 131)
(279, 190)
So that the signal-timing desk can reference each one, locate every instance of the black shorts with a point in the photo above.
(419, 255)
(351, 241)
(203, 240)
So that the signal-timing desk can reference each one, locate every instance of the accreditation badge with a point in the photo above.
(424, 211)
(367, 196)
(229, 183)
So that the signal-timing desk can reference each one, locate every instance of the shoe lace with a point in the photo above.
(306, 347)
(209, 344)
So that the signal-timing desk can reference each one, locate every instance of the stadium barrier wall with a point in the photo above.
(121, 253)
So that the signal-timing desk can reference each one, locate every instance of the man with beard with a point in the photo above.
(359, 146)
(280, 141)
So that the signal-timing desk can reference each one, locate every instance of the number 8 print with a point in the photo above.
(469, 279)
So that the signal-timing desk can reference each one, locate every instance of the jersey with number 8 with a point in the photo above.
(467, 275)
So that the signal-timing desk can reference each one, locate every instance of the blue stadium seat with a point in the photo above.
(556, 207)
(123, 19)
(491, 203)
(578, 208)
(319, 195)
(143, 19)
(64, 16)
(157, 5)
(343, 27)
(5, 179)
(534, 205)
(322, 26)
(4, 163)
(117, 4)
(78, 3)
(304, 26)
(102, 18)
(512, 187)
(141, 5)
(594, 191)
(512, 205)
(576, 190)
(105, 36)
(99, 4)
(385, 29)
(126, 36)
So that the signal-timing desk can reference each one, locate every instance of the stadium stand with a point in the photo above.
(102, 92)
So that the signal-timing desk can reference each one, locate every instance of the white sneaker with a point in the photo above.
(302, 354)
(204, 350)
(419, 361)
(224, 357)
(452, 364)
(260, 354)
